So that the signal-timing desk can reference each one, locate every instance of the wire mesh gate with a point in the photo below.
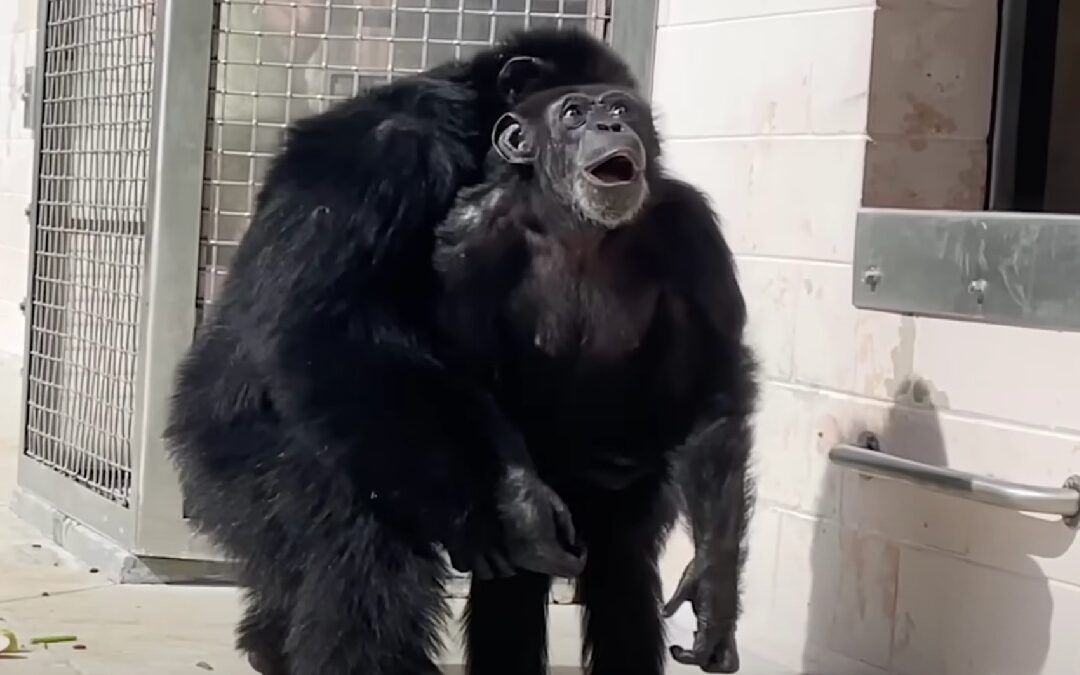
(156, 121)
(91, 221)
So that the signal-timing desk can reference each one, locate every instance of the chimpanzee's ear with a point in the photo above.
(512, 140)
(520, 75)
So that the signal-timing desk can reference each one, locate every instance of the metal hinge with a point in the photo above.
(29, 108)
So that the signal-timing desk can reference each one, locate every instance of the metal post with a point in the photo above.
(633, 35)
(1011, 29)
(182, 75)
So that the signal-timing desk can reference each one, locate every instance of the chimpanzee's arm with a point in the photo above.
(718, 497)
(712, 467)
(330, 294)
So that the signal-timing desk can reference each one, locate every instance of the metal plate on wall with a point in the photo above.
(1017, 269)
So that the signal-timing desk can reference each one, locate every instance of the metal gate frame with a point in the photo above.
(151, 524)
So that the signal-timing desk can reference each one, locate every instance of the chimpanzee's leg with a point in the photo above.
(369, 604)
(621, 588)
(261, 634)
(507, 625)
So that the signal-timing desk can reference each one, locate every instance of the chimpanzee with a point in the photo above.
(595, 297)
(320, 442)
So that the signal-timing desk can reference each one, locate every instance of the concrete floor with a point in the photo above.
(142, 630)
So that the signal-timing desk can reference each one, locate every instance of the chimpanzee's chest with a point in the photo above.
(594, 372)
(582, 301)
(587, 347)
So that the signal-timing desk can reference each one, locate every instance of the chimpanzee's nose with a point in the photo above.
(609, 126)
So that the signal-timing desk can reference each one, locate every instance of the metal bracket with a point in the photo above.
(1073, 521)
(1008, 268)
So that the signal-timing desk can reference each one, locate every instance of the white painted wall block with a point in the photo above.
(766, 106)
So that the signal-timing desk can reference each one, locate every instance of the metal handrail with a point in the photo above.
(1062, 501)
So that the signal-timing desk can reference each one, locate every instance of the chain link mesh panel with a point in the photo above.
(276, 61)
(88, 240)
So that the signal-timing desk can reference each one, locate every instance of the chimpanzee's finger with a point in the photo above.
(684, 656)
(683, 592)
(564, 527)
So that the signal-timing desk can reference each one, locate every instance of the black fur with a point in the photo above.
(619, 354)
(319, 440)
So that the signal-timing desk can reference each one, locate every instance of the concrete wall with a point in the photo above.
(769, 105)
(18, 19)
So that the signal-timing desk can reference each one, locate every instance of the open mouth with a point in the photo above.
(614, 170)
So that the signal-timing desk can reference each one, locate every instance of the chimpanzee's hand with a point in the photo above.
(474, 546)
(538, 533)
(488, 562)
(529, 529)
(714, 649)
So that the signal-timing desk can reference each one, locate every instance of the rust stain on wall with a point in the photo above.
(925, 120)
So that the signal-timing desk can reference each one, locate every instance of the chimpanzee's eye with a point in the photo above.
(573, 115)
(618, 109)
